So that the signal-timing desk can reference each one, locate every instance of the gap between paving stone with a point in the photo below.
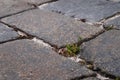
(25, 35)
(110, 17)
(90, 65)
(100, 72)
(83, 20)
(17, 13)
(42, 41)
(83, 40)
(34, 7)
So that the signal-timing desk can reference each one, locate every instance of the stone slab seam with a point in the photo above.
(34, 7)
(17, 12)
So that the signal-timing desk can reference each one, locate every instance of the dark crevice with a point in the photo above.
(107, 18)
(87, 39)
(104, 73)
(29, 36)
(17, 38)
(35, 6)
(91, 66)
(84, 76)
(17, 12)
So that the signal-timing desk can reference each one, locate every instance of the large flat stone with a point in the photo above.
(104, 51)
(115, 22)
(13, 6)
(52, 27)
(7, 33)
(28, 60)
(91, 10)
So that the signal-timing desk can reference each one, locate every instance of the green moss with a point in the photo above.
(72, 49)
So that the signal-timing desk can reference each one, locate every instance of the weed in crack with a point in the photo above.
(70, 50)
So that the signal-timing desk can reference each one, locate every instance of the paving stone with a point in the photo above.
(6, 33)
(91, 10)
(105, 52)
(28, 60)
(52, 27)
(115, 22)
(13, 6)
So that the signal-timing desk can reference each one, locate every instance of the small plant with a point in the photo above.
(72, 49)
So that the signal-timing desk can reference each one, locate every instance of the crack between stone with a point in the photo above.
(34, 7)
(117, 14)
(17, 38)
(17, 13)
(41, 41)
(25, 35)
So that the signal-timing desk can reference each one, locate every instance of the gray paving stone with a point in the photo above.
(6, 33)
(13, 6)
(52, 27)
(105, 52)
(91, 10)
(28, 60)
(115, 22)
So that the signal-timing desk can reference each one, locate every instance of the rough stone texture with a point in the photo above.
(37, 2)
(115, 22)
(105, 52)
(28, 60)
(91, 10)
(115, 0)
(91, 78)
(13, 6)
(53, 28)
(6, 33)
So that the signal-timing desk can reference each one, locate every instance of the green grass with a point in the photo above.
(72, 49)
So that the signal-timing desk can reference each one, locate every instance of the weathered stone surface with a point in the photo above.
(6, 33)
(37, 1)
(115, 22)
(105, 52)
(52, 27)
(91, 78)
(27, 60)
(13, 6)
(115, 0)
(91, 10)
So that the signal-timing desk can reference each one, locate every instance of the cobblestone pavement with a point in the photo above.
(37, 37)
